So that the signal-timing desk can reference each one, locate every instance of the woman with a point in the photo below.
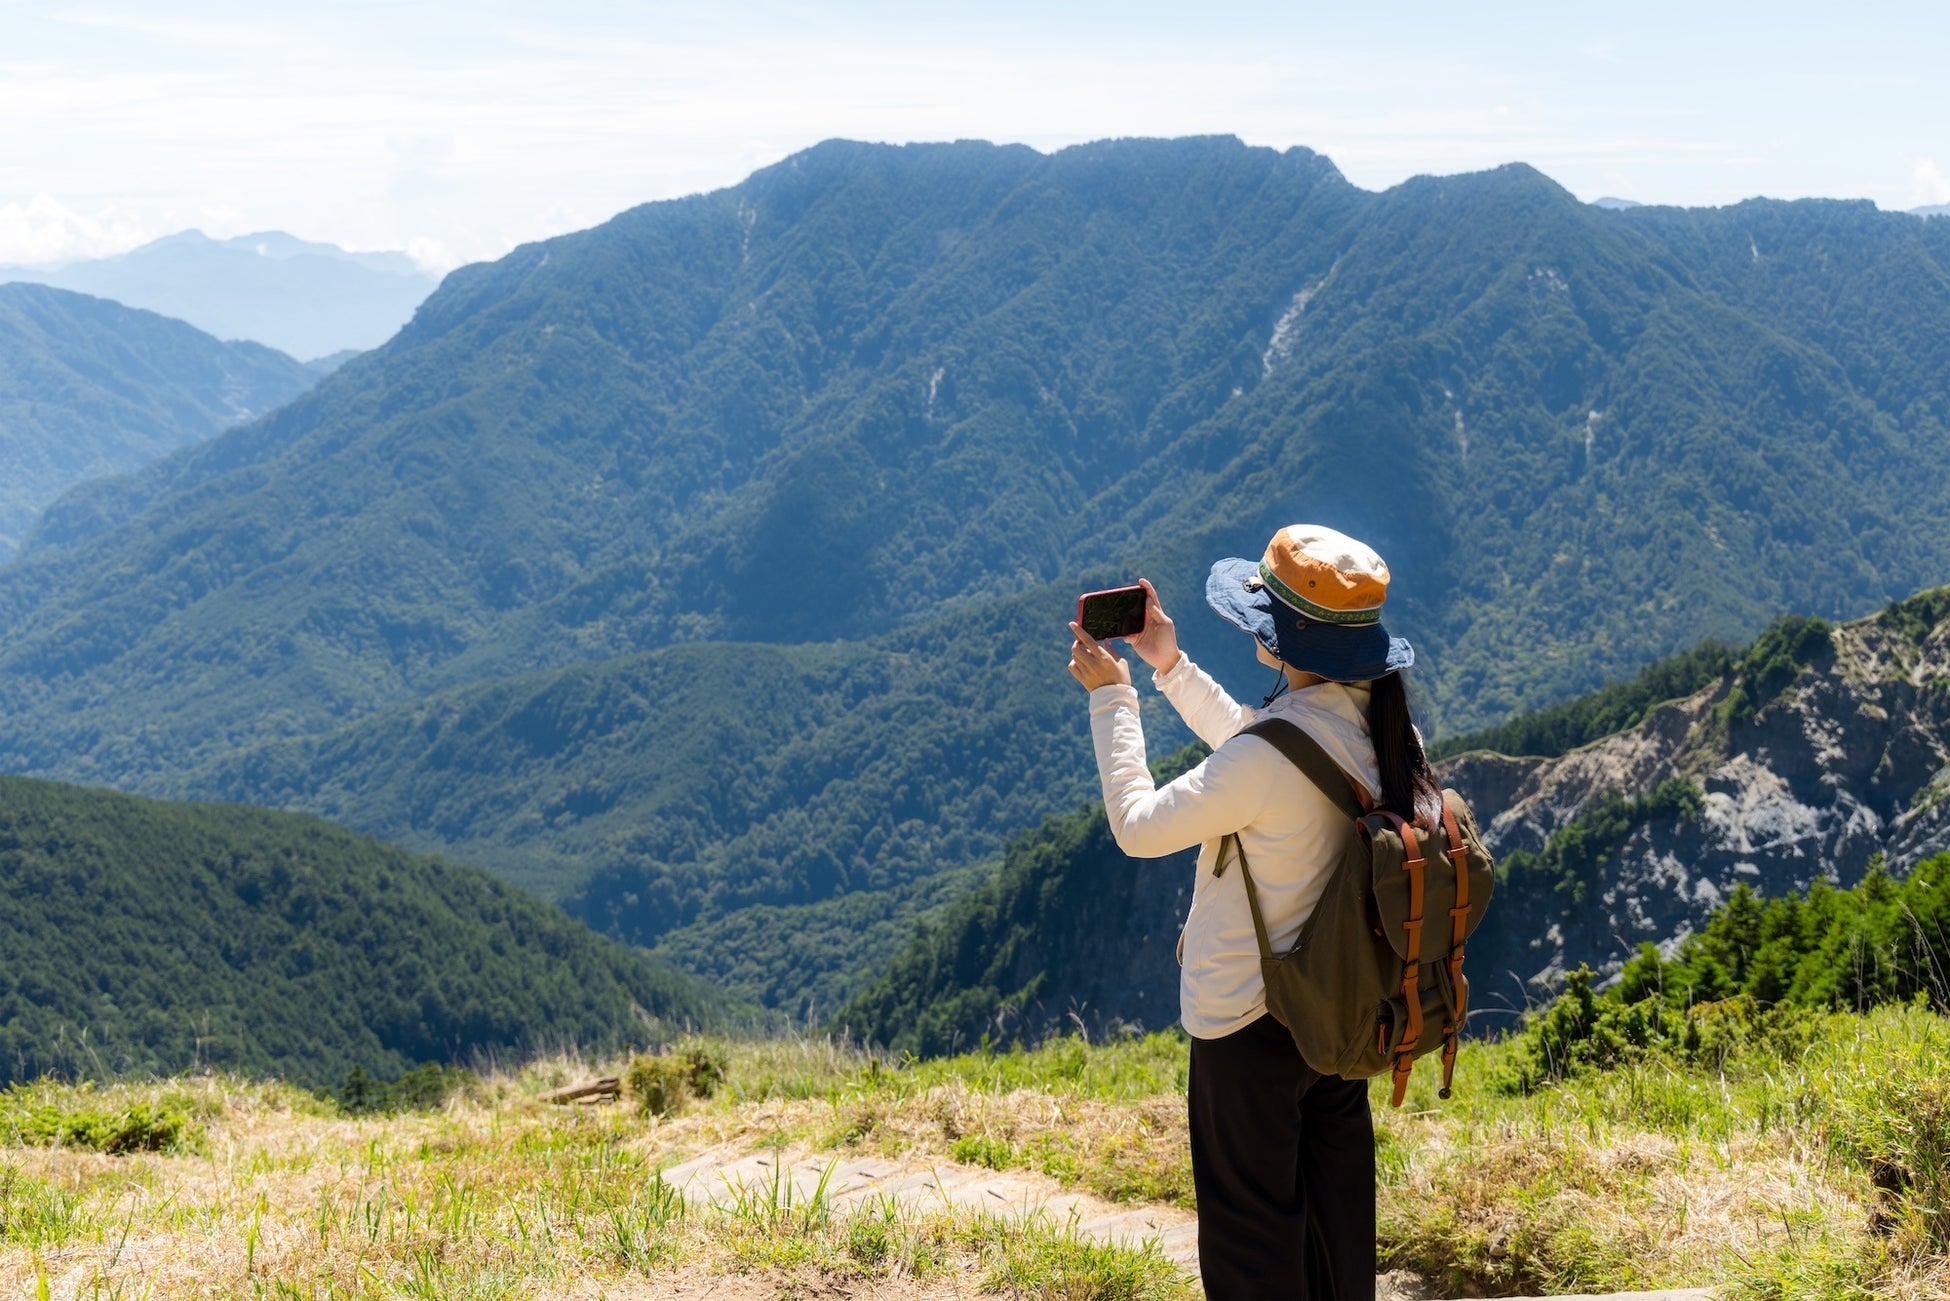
(1282, 1157)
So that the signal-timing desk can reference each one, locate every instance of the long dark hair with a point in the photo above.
(1408, 785)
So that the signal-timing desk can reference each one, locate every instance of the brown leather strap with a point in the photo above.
(1458, 852)
(1448, 1061)
(1412, 995)
(1458, 915)
(1412, 863)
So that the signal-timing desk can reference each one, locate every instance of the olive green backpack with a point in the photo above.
(1368, 987)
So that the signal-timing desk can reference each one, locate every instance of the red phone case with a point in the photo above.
(1108, 591)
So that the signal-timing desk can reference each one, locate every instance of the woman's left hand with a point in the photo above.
(1094, 665)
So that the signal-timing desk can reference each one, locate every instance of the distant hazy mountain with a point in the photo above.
(156, 937)
(1933, 210)
(716, 560)
(300, 297)
(1616, 205)
(91, 388)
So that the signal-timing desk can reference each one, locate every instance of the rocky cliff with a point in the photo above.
(1817, 750)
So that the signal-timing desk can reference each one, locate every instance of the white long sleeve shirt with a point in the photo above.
(1292, 833)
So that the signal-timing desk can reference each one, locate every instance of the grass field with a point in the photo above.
(1807, 1164)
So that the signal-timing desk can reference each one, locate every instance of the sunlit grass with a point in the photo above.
(1818, 1172)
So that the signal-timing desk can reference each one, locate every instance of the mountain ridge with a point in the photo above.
(1823, 751)
(90, 388)
(923, 394)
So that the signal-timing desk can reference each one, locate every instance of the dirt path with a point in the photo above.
(727, 1177)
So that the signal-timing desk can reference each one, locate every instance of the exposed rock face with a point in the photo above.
(1847, 761)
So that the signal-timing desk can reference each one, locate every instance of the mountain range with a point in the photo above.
(302, 297)
(1811, 756)
(89, 388)
(707, 570)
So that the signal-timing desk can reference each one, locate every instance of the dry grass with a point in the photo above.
(1816, 1177)
(495, 1195)
(1663, 1175)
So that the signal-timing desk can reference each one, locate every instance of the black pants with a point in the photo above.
(1283, 1165)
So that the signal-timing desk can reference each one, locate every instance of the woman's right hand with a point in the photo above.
(1157, 645)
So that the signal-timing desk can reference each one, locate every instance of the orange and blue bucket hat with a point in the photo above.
(1314, 600)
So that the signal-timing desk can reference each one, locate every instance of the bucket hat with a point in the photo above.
(1314, 600)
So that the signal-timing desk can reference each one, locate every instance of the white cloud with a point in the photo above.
(44, 231)
(1931, 185)
(432, 254)
(457, 130)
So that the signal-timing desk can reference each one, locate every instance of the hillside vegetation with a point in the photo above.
(1069, 930)
(91, 388)
(138, 936)
(856, 431)
(1067, 933)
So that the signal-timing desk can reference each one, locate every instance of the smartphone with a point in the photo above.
(1117, 612)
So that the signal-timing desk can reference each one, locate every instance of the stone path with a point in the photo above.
(729, 1178)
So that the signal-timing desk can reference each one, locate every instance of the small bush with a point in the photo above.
(662, 1084)
(704, 1067)
(983, 1149)
(140, 1127)
(659, 1085)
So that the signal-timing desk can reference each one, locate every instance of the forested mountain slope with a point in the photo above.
(144, 936)
(91, 388)
(859, 428)
(669, 794)
(1803, 758)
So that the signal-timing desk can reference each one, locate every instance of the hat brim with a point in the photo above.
(1335, 651)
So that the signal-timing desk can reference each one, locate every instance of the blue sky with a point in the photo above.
(458, 130)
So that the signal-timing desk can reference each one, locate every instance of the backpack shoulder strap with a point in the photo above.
(1306, 754)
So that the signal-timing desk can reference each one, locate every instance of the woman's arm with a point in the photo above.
(1213, 716)
(1216, 798)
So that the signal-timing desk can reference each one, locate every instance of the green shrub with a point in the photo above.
(663, 1083)
(37, 1118)
(658, 1085)
(1752, 976)
(704, 1067)
(984, 1149)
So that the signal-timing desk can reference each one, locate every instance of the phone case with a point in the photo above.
(1130, 628)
